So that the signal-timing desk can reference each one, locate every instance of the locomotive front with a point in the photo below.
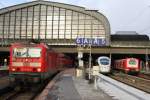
(133, 65)
(104, 64)
(25, 62)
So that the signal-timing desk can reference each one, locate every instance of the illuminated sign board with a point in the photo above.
(93, 41)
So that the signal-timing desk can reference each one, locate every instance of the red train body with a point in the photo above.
(35, 61)
(128, 65)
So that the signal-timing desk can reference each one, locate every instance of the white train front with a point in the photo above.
(104, 64)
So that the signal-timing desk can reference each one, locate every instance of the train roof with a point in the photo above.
(129, 37)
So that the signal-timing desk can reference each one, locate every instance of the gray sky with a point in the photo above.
(123, 15)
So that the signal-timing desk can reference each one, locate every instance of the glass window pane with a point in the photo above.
(24, 14)
(43, 8)
(56, 11)
(81, 27)
(29, 27)
(36, 22)
(12, 14)
(55, 22)
(50, 8)
(68, 17)
(74, 32)
(30, 9)
(62, 22)
(36, 17)
(55, 27)
(24, 18)
(43, 17)
(88, 27)
(12, 20)
(56, 17)
(18, 13)
(87, 17)
(62, 12)
(36, 13)
(61, 27)
(49, 23)
(49, 27)
(17, 22)
(49, 34)
(49, 17)
(81, 22)
(49, 12)
(42, 27)
(18, 18)
(68, 12)
(81, 16)
(68, 26)
(68, 22)
(43, 13)
(30, 14)
(42, 22)
(74, 26)
(36, 27)
(1, 18)
(36, 8)
(62, 18)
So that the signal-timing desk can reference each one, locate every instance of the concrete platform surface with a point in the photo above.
(69, 87)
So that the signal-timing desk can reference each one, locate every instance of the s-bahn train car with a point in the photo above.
(104, 64)
(34, 62)
(128, 65)
(64, 62)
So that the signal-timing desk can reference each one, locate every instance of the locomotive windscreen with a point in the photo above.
(27, 52)
(104, 61)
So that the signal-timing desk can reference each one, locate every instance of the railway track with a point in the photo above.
(135, 81)
(24, 93)
(28, 93)
(19, 95)
(143, 75)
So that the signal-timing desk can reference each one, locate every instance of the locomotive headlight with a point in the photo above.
(38, 69)
(13, 69)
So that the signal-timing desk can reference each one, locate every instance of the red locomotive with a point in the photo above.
(128, 65)
(34, 62)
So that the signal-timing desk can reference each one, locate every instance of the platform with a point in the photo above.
(69, 87)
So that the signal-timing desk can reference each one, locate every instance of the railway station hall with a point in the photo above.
(57, 51)
(73, 30)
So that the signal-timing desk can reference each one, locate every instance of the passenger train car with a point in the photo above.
(104, 64)
(35, 62)
(128, 65)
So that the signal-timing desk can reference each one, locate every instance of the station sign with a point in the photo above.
(92, 41)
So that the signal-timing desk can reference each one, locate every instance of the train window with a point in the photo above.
(20, 52)
(132, 62)
(27, 52)
(34, 52)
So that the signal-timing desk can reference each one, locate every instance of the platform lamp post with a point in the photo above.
(90, 47)
(90, 59)
(146, 58)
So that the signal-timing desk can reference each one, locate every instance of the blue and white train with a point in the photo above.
(104, 63)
